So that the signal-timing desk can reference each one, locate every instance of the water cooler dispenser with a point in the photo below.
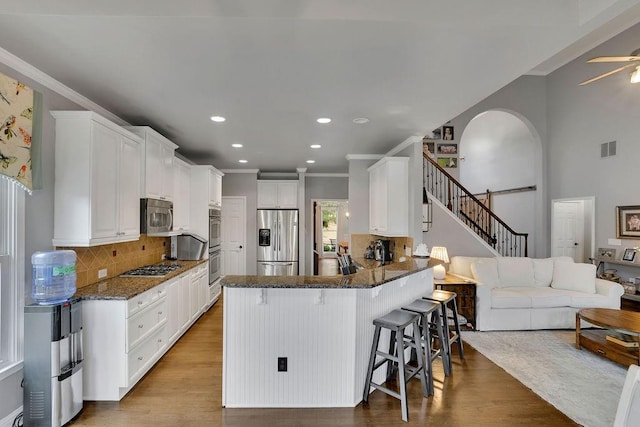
(52, 363)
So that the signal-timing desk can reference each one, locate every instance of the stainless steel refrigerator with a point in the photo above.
(277, 242)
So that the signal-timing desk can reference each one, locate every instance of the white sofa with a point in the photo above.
(516, 293)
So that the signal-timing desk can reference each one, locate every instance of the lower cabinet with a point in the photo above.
(123, 339)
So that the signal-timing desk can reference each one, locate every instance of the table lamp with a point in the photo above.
(439, 252)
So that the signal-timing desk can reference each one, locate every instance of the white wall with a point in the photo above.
(526, 99)
(583, 117)
(359, 195)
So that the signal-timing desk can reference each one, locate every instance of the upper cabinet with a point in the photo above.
(97, 174)
(389, 197)
(182, 195)
(215, 188)
(277, 194)
(206, 193)
(157, 164)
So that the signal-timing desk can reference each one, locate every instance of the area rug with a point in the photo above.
(580, 384)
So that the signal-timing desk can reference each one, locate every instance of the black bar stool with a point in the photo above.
(448, 301)
(396, 321)
(431, 321)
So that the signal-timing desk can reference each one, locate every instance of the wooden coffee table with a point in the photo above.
(595, 340)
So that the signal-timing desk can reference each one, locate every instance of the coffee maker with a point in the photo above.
(383, 250)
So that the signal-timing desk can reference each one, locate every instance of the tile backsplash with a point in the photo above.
(359, 243)
(118, 257)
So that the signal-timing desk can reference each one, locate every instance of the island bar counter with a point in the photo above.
(304, 341)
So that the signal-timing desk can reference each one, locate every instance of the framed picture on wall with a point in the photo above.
(628, 222)
(629, 254)
(428, 148)
(447, 133)
(448, 149)
(448, 162)
(607, 253)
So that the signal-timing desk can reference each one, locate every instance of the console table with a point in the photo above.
(465, 290)
(595, 339)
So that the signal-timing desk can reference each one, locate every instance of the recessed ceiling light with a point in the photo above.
(315, 145)
(324, 120)
(236, 145)
(218, 119)
(243, 161)
(311, 161)
(361, 120)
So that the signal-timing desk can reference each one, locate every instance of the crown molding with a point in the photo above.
(240, 170)
(49, 82)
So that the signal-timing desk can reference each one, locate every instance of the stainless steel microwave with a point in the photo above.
(156, 216)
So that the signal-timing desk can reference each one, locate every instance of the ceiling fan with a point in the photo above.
(633, 60)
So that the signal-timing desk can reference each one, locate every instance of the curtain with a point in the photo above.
(16, 130)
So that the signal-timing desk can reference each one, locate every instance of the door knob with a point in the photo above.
(575, 244)
(240, 247)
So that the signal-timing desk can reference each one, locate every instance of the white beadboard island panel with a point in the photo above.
(324, 333)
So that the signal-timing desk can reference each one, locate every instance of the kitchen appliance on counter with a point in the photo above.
(156, 216)
(383, 250)
(277, 242)
(53, 358)
(155, 270)
(188, 247)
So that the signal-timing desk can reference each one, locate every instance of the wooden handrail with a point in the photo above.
(506, 243)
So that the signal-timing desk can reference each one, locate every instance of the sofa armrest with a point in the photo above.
(609, 289)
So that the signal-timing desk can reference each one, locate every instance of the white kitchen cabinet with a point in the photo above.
(277, 194)
(215, 188)
(204, 186)
(123, 339)
(199, 291)
(97, 197)
(389, 197)
(182, 195)
(157, 164)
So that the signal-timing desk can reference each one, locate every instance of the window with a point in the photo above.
(11, 276)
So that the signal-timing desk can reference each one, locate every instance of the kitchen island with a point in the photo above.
(304, 341)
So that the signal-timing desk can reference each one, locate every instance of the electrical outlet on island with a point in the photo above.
(102, 273)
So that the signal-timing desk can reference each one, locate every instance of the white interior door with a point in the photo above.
(567, 229)
(234, 235)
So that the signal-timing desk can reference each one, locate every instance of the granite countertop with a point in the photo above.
(371, 275)
(123, 288)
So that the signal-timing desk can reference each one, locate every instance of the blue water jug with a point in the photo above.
(54, 276)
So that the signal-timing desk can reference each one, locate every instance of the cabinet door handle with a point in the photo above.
(160, 312)
(139, 302)
(140, 326)
(139, 357)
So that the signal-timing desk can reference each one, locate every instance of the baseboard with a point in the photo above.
(8, 420)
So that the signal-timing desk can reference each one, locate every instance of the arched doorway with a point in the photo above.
(501, 152)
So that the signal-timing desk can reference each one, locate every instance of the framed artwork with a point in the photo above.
(629, 254)
(448, 149)
(428, 148)
(447, 133)
(607, 253)
(437, 133)
(448, 162)
(628, 222)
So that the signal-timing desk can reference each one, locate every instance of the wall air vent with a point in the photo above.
(608, 149)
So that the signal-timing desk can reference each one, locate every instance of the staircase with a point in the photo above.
(473, 212)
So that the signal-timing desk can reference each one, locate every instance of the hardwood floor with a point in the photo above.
(185, 388)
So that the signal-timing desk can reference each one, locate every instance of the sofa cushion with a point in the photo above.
(542, 272)
(509, 298)
(515, 271)
(462, 264)
(585, 300)
(530, 297)
(574, 277)
(485, 271)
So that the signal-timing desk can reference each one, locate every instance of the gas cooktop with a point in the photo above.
(157, 270)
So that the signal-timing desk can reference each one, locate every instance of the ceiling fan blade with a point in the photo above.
(607, 74)
(615, 59)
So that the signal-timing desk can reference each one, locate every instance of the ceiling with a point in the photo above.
(272, 67)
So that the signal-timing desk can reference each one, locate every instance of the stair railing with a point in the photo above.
(473, 212)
